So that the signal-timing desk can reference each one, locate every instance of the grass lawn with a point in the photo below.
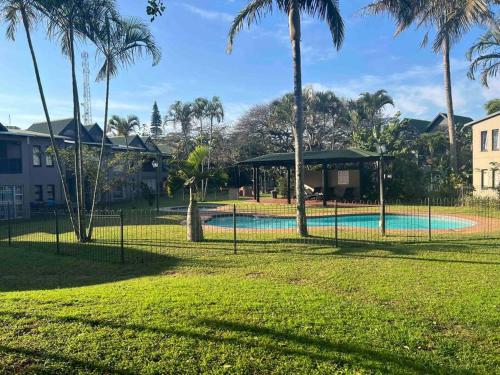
(412, 308)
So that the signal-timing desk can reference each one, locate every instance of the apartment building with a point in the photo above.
(486, 156)
(29, 178)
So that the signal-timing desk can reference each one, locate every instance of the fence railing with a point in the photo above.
(147, 235)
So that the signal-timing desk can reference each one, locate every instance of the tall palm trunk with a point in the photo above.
(101, 156)
(204, 188)
(449, 105)
(49, 123)
(193, 220)
(294, 26)
(78, 146)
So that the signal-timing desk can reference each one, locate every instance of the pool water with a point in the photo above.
(371, 221)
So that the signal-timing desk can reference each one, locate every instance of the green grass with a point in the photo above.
(388, 308)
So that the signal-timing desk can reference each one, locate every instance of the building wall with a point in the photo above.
(481, 160)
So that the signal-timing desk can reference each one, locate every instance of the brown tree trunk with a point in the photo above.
(101, 157)
(294, 26)
(193, 220)
(449, 106)
(78, 146)
(62, 175)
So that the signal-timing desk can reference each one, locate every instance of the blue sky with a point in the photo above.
(192, 36)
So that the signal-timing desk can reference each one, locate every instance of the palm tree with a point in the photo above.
(69, 20)
(182, 113)
(327, 10)
(120, 42)
(200, 107)
(215, 112)
(485, 54)
(372, 105)
(192, 174)
(450, 19)
(124, 126)
(24, 11)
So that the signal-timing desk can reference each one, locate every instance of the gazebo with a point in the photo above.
(326, 159)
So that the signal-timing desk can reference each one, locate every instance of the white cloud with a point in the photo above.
(209, 14)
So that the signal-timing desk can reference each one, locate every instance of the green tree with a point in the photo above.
(156, 122)
(450, 19)
(484, 55)
(120, 42)
(200, 112)
(327, 10)
(13, 13)
(124, 126)
(372, 105)
(182, 113)
(192, 174)
(492, 106)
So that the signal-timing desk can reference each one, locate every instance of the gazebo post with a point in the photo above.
(288, 185)
(325, 184)
(257, 174)
(254, 183)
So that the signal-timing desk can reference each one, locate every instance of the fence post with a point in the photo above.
(430, 215)
(9, 227)
(57, 231)
(234, 228)
(122, 250)
(336, 225)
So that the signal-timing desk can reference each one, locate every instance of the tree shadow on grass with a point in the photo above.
(285, 343)
(35, 269)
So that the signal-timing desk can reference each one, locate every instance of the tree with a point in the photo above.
(124, 127)
(120, 42)
(450, 20)
(155, 8)
(484, 55)
(200, 109)
(327, 10)
(492, 106)
(191, 173)
(215, 112)
(156, 122)
(24, 11)
(372, 105)
(182, 113)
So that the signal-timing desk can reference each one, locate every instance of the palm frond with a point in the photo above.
(327, 10)
(249, 15)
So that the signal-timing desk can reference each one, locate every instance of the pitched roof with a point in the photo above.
(96, 133)
(315, 157)
(27, 133)
(443, 116)
(484, 119)
(3, 128)
(416, 125)
(58, 126)
(165, 149)
(150, 144)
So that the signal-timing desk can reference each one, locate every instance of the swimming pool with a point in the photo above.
(370, 221)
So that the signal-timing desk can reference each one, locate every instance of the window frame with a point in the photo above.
(49, 156)
(51, 192)
(495, 140)
(38, 194)
(484, 179)
(38, 154)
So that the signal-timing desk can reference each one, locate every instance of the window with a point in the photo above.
(484, 179)
(11, 201)
(496, 178)
(51, 192)
(37, 156)
(49, 159)
(495, 140)
(343, 177)
(38, 193)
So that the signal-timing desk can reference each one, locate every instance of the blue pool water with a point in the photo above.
(371, 221)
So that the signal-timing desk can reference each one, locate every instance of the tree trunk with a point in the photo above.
(294, 26)
(449, 106)
(101, 157)
(204, 191)
(193, 220)
(78, 147)
(62, 175)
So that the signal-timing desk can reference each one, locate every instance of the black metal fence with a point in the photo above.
(133, 236)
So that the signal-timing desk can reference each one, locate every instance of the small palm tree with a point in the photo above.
(182, 113)
(450, 20)
(192, 173)
(372, 105)
(120, 42)
(124, 126)
(24, 11)
(328, 10)
(485, 54)
(200, 107)
(215, 112)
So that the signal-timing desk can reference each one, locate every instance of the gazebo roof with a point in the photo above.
(314, 157)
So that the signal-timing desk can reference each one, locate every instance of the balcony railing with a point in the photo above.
(11, 166)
